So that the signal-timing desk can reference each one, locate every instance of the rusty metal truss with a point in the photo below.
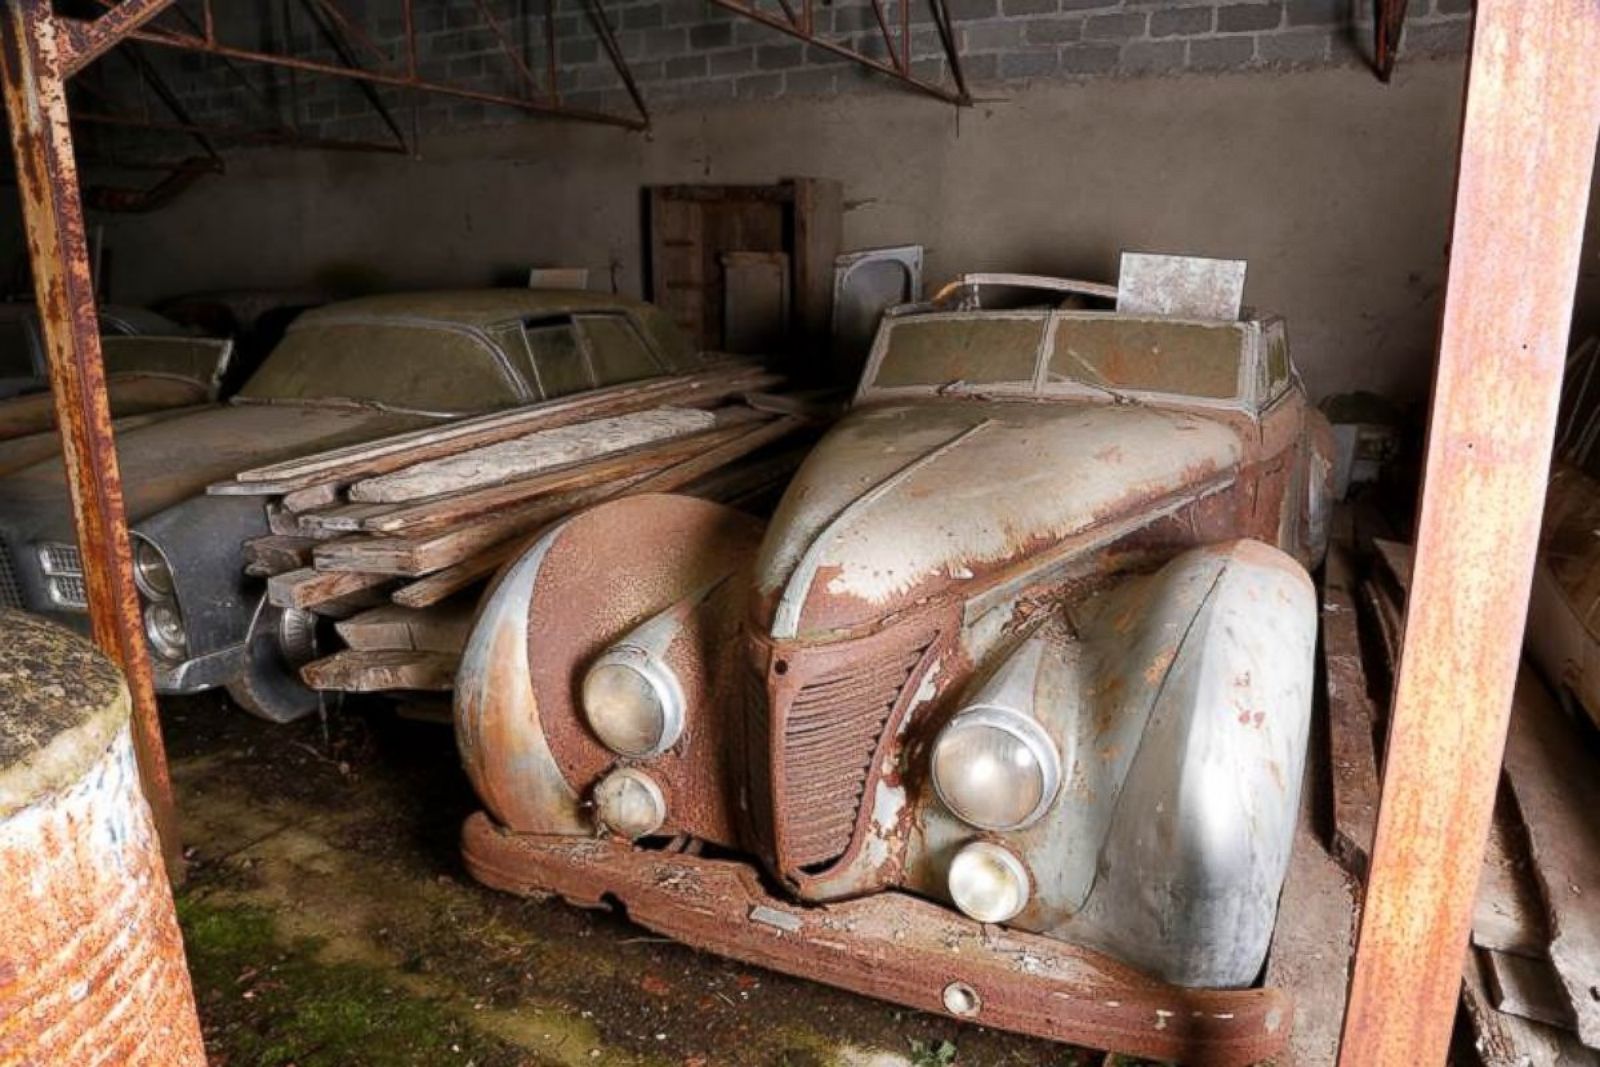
(799, 22)
(1388, 19)
(361, 61)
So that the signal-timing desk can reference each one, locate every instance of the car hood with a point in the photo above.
(899, 501)
(170, 460)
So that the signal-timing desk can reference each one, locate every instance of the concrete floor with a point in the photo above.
(329, 921)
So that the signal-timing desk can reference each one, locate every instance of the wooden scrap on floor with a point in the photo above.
(1502, 1040)
(370, 672)
(1352, 758)
(311, 588)
(1508, 915)
(391, 627)
(1555, 778)
(1526, 987)
(1313, 943)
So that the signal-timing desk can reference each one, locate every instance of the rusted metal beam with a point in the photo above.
(897, 66)
(33, 81)
(1388, 20)
(81, 43)
(1527, 155)
(193, 43)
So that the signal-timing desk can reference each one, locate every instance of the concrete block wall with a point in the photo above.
(688, 51)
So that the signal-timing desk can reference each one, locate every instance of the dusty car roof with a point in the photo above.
(473, 307)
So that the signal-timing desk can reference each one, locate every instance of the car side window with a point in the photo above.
(557, 357)
(1275, 364)
(616, 351)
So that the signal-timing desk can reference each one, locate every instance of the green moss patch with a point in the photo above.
(264, 1001)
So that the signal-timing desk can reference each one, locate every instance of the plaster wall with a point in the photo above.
(1336, 189)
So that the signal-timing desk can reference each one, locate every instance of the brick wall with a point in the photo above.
(686, 51)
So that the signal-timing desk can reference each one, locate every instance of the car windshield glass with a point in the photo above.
(409, 366)
(950, 351)
(1181, 358)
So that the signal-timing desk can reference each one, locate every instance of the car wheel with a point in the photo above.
(270, 687)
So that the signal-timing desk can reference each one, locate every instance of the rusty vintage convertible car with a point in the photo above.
(1010, 698)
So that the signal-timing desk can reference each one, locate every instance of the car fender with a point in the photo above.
(582, 587)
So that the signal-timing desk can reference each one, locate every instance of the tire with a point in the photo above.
(270, 688)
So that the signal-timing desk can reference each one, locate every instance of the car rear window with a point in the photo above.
(413, 366)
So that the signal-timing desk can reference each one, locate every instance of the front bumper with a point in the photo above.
(895, 947)
(201, 672)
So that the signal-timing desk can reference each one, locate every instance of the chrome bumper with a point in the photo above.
(201, 672)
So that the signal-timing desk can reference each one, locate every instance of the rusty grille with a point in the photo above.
(830, 733)
(10, 591)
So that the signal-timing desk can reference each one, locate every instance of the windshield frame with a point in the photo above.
(1038, 388)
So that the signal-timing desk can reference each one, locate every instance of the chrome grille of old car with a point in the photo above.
(10, 591)
(63, 569)
(830, 732)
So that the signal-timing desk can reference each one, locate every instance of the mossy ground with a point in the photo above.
(328, 920)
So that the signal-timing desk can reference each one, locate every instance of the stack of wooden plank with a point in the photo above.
(1531, 988)
(396, 537)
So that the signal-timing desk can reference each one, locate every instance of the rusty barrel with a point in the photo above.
(91, 962)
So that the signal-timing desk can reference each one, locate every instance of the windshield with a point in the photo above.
(1107, 353)
(408, 366)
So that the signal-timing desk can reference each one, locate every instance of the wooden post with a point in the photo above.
(32, 64)
(1527, 153)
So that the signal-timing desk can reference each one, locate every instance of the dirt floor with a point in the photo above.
(329, 921)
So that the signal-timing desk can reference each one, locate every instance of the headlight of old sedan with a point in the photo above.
(633, 702)
(163, 627)
(151, 573)
(995, 769)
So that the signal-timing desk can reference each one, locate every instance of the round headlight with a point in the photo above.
(988, 883)
(995, 769)
(150, 571)
(630, 804)
(633, 703)
(163, 626)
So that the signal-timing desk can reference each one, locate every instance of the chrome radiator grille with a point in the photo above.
(10, 591)
(830, 732)
(63, 568)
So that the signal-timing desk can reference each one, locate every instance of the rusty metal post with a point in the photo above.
(33, 82)
(1527, 155)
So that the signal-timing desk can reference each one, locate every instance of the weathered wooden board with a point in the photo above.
(531, 454)
(1312, 944)
(312, 497)
(276, 554)
(392, 453)
(372, 672)
(1502, 1040)
(309, 588)
(1508, 915)
(412, 557)
(1526, 987)
(1353, 760)
(1555, 777)
(443, 628)
(437, 513)
(339, 519)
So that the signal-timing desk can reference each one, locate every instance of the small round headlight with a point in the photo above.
(633, 703)
(988, 883)
(150, 571)
(163, 626)
(630, 804)
(995, 769)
